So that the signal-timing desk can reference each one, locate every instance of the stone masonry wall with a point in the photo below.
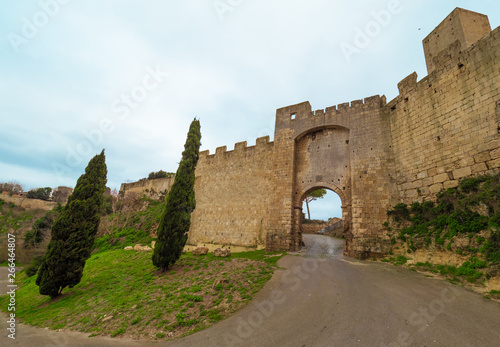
(233, 192)
(446, 126)
(29, 204)
(357, 168)
(153, 188)
(313, 227)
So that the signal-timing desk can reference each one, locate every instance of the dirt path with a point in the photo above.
(323, 299)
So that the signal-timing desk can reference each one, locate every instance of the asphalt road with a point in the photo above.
(324, 299)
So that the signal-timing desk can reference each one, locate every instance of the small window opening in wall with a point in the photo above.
(292, 116)
(347, 142)
(393, 108)
(406, 99)
(439, 138)
(498, 128)
(460, 65)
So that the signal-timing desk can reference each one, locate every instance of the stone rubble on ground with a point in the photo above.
(222, 252)
(200, 251)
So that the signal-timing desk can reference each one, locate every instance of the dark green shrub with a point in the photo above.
(73, 232)
(32, 268)
(40, 193)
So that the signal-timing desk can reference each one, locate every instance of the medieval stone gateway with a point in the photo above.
(372, 153)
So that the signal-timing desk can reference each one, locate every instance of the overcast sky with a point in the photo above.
(129, 76)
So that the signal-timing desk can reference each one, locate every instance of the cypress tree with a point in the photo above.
(73, 232)
(180, 202)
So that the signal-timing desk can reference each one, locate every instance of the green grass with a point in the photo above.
(469, 270)
(145, 303)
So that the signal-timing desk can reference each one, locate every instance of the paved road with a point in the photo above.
(324, 299)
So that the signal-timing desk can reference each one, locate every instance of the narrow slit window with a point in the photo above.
(292, 116)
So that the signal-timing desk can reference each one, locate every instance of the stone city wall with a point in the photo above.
(373, 154)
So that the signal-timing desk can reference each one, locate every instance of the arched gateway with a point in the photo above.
(253, 195)
(373, 154)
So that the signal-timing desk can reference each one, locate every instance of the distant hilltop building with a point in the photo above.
(61, 194)
(372, 153)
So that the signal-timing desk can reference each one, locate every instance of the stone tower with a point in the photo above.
(460, 30)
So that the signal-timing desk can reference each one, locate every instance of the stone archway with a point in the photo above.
(322, 160)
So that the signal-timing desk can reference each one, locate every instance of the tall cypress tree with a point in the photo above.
(73, 233)
(180, 202)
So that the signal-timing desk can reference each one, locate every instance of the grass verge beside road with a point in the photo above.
(123, 294)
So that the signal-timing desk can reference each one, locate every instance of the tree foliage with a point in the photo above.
(40, 193)
(73, 232)
(160, 174)
(11, 188)
(180, 203)
(314, 195)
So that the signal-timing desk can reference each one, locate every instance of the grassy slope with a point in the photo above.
(122, 229)
(18, 221)
(122, 294)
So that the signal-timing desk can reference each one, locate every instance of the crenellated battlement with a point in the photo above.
(370, 103)
(304, 110)
(240, 149)
(301, 116)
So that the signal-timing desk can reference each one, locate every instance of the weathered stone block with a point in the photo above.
(141, 248)
(463, 172)
(200, 251)
(450, 184)
(494, 154)
(436, 188)
(482, 157)
(479, 168)
(441, 178)
(422, 174)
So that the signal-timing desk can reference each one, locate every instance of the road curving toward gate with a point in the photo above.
(324, 299)
(320, 298)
